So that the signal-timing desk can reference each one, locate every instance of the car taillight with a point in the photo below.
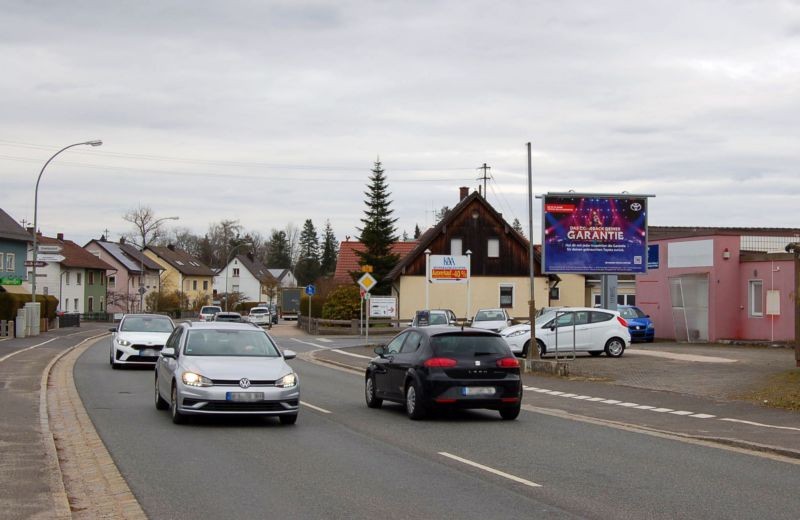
(440, 362)
(622, 321)
(508, 362)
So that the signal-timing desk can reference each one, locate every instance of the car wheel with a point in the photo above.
(161, 404)
(415, 408)
(177, 416)
(540, 348)
(526, 349)
(615, 347)
(510, 413)
(369, 393)
(595, 353)
(288, 419)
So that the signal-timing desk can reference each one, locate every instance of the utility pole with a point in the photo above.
(485, 177)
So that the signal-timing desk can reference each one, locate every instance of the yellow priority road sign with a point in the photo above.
(367, 282)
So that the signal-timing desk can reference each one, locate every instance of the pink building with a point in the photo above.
(711, 284)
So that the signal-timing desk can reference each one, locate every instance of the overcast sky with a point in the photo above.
(274, 112)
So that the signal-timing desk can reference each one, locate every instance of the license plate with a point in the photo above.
(244, 397)
(148, 352)
(478, 390)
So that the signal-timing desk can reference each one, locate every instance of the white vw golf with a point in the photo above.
(225, 368)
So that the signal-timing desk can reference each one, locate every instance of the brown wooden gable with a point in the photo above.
(474, 221)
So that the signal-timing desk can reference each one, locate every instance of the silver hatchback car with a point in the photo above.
(225, 368)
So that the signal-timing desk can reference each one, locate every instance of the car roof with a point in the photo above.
(206, 325)
(146, 315)
(437, 330)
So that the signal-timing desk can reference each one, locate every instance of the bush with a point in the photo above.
(11, 303)
(317, 304)
(343, 303)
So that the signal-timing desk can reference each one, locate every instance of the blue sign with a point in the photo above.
(652, 256)
(310, 290)
(594, 234)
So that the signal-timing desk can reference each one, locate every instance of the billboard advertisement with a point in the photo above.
(382, 307)
(594, 234)
(449, 269)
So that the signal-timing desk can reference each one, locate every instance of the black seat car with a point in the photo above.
(436, 367)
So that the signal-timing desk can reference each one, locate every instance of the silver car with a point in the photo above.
(225, 368)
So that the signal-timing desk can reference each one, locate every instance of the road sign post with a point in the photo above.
(310, 290)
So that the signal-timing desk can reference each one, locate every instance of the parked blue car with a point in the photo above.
(639, 324)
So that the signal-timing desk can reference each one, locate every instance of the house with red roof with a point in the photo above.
(348, 261)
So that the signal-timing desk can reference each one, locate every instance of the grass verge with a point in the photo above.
(781, 391)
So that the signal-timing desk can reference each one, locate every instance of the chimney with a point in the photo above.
(463, 192)
(60, 236)
(29, 229)
(122, 241)
(171, 247)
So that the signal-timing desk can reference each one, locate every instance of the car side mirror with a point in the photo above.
(289, 354)
(380, 350)
(168, 352)
(112, 329)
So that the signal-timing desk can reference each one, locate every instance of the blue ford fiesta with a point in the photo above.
(639, 324)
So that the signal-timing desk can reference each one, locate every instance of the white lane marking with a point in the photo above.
(661, 410)
(317, 408)
(490, 470)
(762, 425)
(610, 401)
(628, 405)
(683, 357)
(645, 407)
(681, 412)
(702, 416)
(308, 343)
(555, 392)
(26, 349)
(324, 340)
(350, 353)
(595, 399)
(581, 397)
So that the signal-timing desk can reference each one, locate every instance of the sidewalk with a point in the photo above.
(683, 390)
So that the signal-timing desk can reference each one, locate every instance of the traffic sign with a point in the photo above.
(367, 282)
(366, 268)
(50, 258)
(310, 290)
(39, 263)
(10, 281)
(42, 248)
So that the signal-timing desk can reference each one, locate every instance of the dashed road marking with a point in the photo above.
(317, 408)
(324, 340)
(490, 470)
(351, 354)
(761, 425)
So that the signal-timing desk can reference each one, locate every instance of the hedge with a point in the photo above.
(11, 303)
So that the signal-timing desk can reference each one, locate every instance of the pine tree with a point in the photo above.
(405, 236)
(308, 267)
(517, 227)
(279, 255)
(330, 251)
(378, 233)
(417, 232)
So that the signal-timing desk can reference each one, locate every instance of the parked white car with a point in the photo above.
(260, 316)
(590, 330)
(138, 339)
(491, 319)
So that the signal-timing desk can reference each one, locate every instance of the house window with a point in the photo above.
(194, 285)
(112, 282)
(78, 278)
(626, 299)
(90, 278)
(596, 300)
(90, 304)
(493, 248)
(66, 305)
(205, 285)
(101, 305)
(76, 305)
(506, 296)
(235, 288)
(66, 277)
(236, 272)
(1, 261)
(756, 298)
(555, 293)
(11, 261)
(455, 246)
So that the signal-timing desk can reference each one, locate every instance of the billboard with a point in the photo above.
(382, 307)
(449, 269)
(605, 234)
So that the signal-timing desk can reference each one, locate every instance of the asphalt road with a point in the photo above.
(354, 462)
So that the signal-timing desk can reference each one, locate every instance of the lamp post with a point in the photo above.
(427, 276)
(469, 282)
(96, 142)
(227, 266)
(142, 290)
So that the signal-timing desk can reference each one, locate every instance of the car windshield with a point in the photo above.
(545, 317)
(240, 343)
(209, 310)
(437, 319)
(631, 312)
(225, 316)
(490, 316)
(468, 345)
(146, 324)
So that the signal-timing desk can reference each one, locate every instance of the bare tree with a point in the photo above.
(148, 228)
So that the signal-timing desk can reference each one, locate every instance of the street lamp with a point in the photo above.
(227, 267)
(142, 290)
(96, 142)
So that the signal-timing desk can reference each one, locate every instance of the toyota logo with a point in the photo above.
(636, 206)
(244, 382)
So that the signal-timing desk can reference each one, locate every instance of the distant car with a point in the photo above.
(639, 324)
(207, 312)
(260, 316)
(435, 317)
(587, 329)
(442, 367)
(225, 369)
(138, 339)
(491, 319)
(228, 316)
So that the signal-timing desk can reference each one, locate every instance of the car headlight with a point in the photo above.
(123, 342)
(192, 379)
(518, 333)
(287, 381)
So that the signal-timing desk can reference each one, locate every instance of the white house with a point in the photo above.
(250, 278)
